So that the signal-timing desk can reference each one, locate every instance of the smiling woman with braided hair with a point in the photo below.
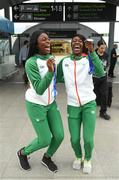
(40, 102)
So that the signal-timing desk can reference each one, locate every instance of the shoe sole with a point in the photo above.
(20, 165)
(48, 168)
(76, 167)
(87, 172)
(104, 118)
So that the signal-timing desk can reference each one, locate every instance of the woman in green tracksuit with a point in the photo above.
(76, 72)
(40, 102)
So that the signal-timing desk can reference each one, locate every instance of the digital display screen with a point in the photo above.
(36, 12)
(90, 12)
(61, 34)
(59, 12)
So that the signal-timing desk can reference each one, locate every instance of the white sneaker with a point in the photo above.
(87, 167)
(77, 164)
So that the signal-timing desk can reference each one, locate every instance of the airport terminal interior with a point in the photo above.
(15, 127)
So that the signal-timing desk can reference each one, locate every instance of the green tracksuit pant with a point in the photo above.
(85, 115)
(48, 126)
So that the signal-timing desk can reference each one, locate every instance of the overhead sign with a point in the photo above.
(61, 34)
(59, 12)
(116, 2)
(99, 35)
(36, 12)
(90, 12)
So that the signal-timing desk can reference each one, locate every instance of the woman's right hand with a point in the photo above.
(89, 45)
(50, 64)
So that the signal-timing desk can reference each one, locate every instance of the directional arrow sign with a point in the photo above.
(16, 8)
(16, 16)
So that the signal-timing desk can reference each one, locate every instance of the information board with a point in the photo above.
(60, 12)
(61, 33)
(36, 12)
(90, 12)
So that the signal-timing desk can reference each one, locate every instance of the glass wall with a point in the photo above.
(4, 49)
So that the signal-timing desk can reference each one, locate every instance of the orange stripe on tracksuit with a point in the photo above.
(76, 83)
(48, 95)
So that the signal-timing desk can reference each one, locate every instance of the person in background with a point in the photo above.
(23, 57)
(113, 61)
(100, 83)
(75, 71)
(40, 102)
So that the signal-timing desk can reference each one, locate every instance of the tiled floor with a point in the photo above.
(16, 131)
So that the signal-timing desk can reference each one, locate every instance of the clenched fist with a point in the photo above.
(89, 45)
(50, 64)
